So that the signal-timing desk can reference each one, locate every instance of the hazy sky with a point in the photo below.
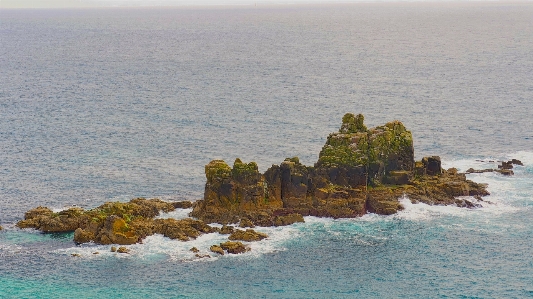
(90, 3)
(84, 3)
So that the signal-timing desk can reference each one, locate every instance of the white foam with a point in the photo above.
(176, 214)
(57, 210)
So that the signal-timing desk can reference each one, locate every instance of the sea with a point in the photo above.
(110, 104)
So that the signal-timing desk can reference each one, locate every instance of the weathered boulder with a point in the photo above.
(233, 247)
(230, 192)
(123, 249)
(183, 229)
(287, 219)
(110, 223)
(182, 204)
(245, 222)
(116, 231)
(45, 220)
(216, 249)
(226, 230)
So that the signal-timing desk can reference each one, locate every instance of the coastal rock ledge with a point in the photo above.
(359, 171)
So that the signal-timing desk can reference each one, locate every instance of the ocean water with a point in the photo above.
(110, 104)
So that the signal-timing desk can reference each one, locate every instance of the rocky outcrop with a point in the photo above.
(115, 222)
(505, 168)
(359, 170)
(248, 235)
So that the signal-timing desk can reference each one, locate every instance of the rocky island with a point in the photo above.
(359, 171)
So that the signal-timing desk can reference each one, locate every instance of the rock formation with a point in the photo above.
(359, 170)
(115, 222)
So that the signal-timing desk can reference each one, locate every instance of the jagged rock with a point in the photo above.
(81, 236)
(245, 222)
(1, 228)
(233, 247)
(354, 170)
(359, 170)
(123, 249)
(287, 219)
(506, 172)
(45, 220)
(517, 162)
(432, 165)
(249, 235)
(230, 192)
(226, 230)
(182, 204)
(183, 229)
(383, 201)
(194, 249)
(116, 231)
(506, 165)
(75, 254)
(217, 249)
(113, 249)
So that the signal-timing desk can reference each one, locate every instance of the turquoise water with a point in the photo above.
(111, 104)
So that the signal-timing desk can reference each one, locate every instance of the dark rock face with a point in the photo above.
(115, 222)
(432, 165)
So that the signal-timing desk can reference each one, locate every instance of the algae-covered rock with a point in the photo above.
(249, 235)
(233, 247)
(123, 249)
(359, 170)
(226, 230)
(45, 220)
(383, 201)
(82, 236)
(216, 249)
(245, 222)
(183, 229)
(230, 192)
(291, 218)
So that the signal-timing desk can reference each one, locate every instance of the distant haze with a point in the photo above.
(98, 3)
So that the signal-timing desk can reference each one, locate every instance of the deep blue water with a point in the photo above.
(111, 104)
